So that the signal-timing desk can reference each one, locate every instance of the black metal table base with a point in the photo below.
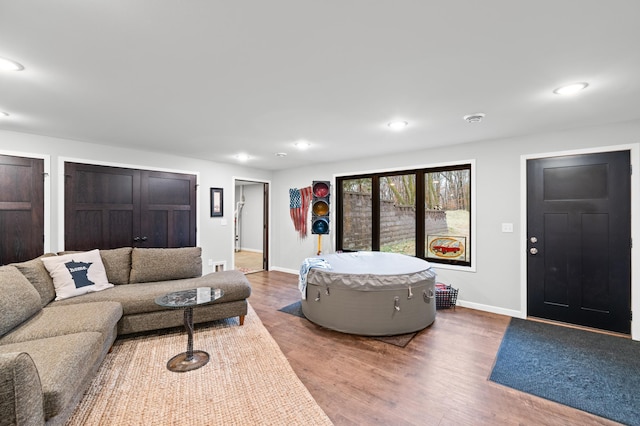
(189, 360)
(185, 362)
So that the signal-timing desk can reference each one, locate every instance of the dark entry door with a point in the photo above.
(579, 240)
(21, 208)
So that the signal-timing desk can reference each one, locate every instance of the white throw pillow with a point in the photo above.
(77, 273)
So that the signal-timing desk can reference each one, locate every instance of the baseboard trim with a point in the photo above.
(490, 308)
(249, 250)
(288, 271)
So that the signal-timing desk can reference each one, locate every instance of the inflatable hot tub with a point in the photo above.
(370, 293)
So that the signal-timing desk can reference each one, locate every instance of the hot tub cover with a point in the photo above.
(371, 271)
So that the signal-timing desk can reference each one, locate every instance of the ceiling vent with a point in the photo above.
(474, 118)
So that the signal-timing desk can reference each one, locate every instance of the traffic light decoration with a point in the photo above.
(320, 207)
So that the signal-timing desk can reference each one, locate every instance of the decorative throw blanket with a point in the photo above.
(307, 264)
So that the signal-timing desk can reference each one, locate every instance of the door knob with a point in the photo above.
(533, 250)
(136, 239)
(533, 240)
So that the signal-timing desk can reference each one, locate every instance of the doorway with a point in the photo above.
(250, 226)
(579, 239)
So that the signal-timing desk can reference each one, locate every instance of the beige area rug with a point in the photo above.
(248, 261)
(248, 381)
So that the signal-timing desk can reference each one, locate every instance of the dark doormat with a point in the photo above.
(590, 371)
(400, 340)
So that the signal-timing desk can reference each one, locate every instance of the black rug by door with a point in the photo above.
(593, 372)
(400, 340)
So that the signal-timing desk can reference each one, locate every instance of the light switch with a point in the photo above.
(507, 227)
(223, 222)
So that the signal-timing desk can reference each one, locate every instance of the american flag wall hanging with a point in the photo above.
(299, 201)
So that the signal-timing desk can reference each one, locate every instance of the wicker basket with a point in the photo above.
(446, 296)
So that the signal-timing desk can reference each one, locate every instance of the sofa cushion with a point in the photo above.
(39, 277)
(161, 264)
(117, 263)
(51, 321)
(77, 273)
(140, 298)
(21, 393)
(63, 363)
(19, 300)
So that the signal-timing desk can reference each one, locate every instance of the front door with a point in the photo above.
(579, 240)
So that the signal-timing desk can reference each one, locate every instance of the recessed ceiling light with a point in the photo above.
(302, 144)
(397, 125)
(242, 157)
(571, 89)
(9, 65)
(280, 154)
(474, 118)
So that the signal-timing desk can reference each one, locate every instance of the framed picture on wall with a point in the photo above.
(216, 202)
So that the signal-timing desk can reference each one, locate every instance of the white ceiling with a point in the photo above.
(212, 78)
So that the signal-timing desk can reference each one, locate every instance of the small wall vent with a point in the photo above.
(474, 118)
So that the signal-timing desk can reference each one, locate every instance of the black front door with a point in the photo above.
(579, 240)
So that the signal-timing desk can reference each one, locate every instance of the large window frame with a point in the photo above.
(420, 210)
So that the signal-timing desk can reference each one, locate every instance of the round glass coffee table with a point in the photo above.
(187, 299)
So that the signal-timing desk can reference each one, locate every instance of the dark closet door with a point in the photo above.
(168, 208)
(110, 207)
(21, 208)
(102, 206)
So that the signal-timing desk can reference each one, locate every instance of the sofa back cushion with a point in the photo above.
(39, 277)
(162, 264)
(117, 263)
(19, 300)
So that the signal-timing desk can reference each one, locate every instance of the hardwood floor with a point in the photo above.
(439, 378)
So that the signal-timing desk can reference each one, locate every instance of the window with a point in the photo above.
(424, 213)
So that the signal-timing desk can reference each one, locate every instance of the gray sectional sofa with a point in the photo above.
(51, 349)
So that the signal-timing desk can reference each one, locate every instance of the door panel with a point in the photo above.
(109, 207)
(579, 260)
(102, 207)
(169, 200)
(21, 208)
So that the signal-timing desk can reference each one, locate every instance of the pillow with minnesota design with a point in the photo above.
(77, 273)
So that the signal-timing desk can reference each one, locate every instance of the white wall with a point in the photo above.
(496, 284)
(252, 216)
(214, 234)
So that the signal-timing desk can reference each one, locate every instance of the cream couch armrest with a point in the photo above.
(21, 400)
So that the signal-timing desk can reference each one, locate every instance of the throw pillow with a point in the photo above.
(77, 273)
(117, 263)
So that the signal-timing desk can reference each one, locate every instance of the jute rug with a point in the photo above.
(248, 381)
